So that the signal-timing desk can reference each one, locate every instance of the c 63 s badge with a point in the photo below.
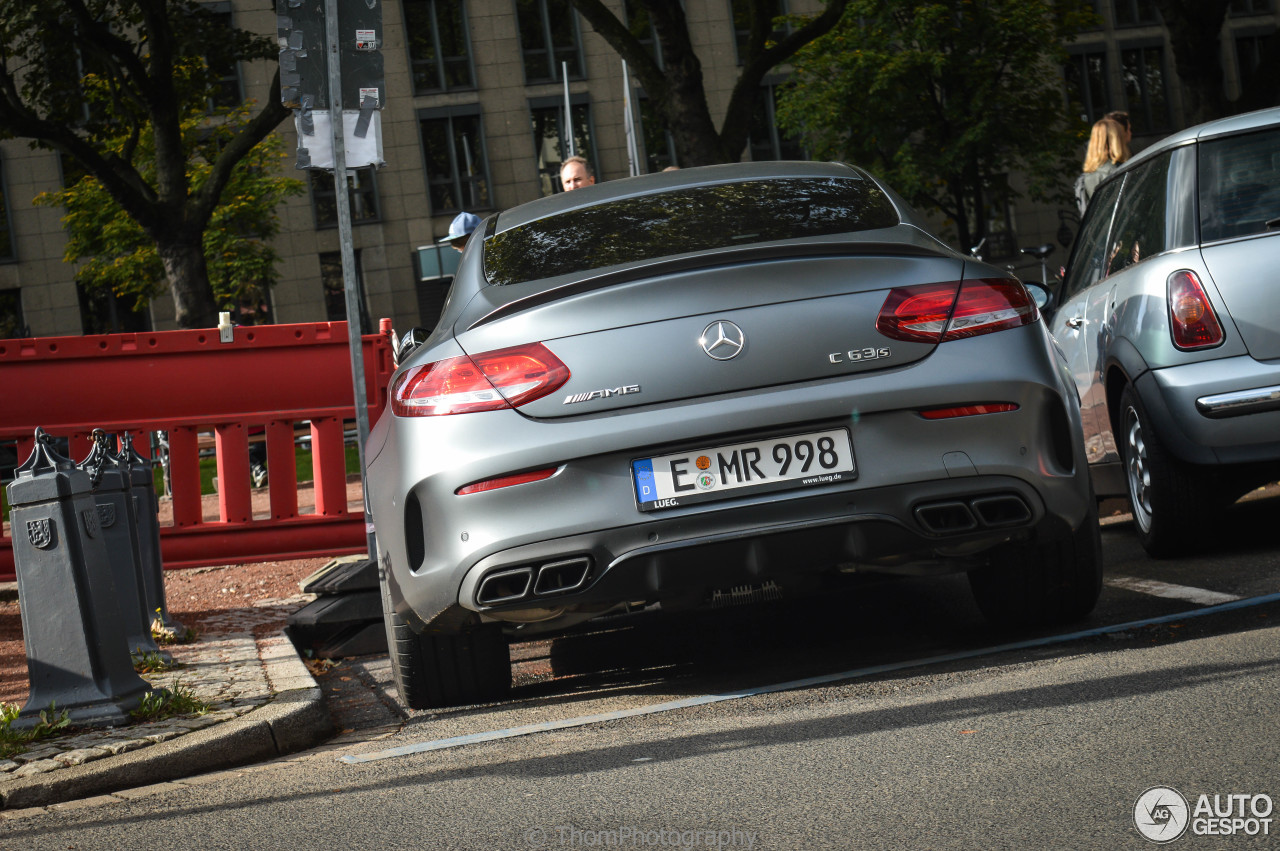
(625, 390)
(858, 355)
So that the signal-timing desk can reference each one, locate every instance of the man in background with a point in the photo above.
(576, 173)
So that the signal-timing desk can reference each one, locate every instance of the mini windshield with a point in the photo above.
(697, 218)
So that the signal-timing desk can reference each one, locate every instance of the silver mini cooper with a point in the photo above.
(1169, 316)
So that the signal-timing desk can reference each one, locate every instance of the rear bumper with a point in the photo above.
(1224, 411)
(877, 530)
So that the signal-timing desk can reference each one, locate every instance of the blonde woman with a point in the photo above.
(1108, 148)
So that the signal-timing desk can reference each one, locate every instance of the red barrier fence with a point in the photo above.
(267, 381)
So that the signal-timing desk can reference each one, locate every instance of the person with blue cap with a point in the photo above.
(460, 229)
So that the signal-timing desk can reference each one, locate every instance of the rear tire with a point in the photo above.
(448, 670)
(1031, 584)
(1165, 495)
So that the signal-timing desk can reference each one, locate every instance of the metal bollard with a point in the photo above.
(77, 658)
(147, 511)
(110, 477)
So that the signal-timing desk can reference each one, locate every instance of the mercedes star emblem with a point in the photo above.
(722, 340)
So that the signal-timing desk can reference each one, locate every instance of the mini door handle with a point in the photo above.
(1075, 322)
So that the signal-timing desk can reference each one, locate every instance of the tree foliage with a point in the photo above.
(675, 87)
(116, 254)
(110, 85)
(943, 99)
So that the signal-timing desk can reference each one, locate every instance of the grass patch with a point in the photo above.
(152, 662)
(51, 723)
(162, 703)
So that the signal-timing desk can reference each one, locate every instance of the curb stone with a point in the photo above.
(294, 719)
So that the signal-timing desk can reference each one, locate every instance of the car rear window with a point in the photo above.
(1239, 184)
(697, 218)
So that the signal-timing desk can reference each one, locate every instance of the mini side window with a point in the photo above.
(1140, 228)
(1088, 261)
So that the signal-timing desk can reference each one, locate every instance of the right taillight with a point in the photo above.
(1191, 317)
(936, 313)
(490, 381)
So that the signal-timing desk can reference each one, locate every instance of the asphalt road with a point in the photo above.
(943, 743)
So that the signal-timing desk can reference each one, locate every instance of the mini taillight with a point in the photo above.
(1191, 316)
(506, 378)
(968, 410)
(936, 313)
(506, 481)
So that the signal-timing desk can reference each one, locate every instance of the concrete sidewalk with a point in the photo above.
(265, 704)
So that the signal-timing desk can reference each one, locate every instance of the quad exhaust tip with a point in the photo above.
(555, 577)
(956, 516)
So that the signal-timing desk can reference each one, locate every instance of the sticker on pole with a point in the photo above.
(369, 98)
(366, 39)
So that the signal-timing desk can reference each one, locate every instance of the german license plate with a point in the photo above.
(702, 475)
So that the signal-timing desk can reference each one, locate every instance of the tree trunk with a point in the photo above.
(184, 266)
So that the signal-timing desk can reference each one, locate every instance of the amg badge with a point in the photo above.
(625, 390)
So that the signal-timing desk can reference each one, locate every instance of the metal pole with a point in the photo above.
(568, 113)
(629, 122)
(350, 284)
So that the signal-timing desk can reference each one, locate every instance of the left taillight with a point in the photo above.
(936, 313)
(1191, 317)
(490, 381)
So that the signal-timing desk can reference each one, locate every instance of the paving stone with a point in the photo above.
(81, 755)
(42, 766)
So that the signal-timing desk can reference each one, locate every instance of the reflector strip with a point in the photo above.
(506, 481)
(968, 411)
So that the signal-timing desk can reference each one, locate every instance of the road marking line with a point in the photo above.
(825, 679)
(1174, 592)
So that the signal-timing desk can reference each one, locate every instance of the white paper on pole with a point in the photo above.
(360, 152)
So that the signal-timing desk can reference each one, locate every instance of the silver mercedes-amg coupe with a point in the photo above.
(764, 375)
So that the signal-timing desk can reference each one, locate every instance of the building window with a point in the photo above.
(11, 321)
(1086, 76)
(362, 197)
(457, 169)
(1145, 90)
(641, 26)
(439, 46)
(1240, 8)
(1249, 52)
(548, 38)
(335, 293)
(741, 11)
(7, 250)
(104, 312)
(1135, 13)
(766, 141)
(226, 72)
(550, 137)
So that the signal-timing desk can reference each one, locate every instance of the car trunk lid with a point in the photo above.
(716, 329)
